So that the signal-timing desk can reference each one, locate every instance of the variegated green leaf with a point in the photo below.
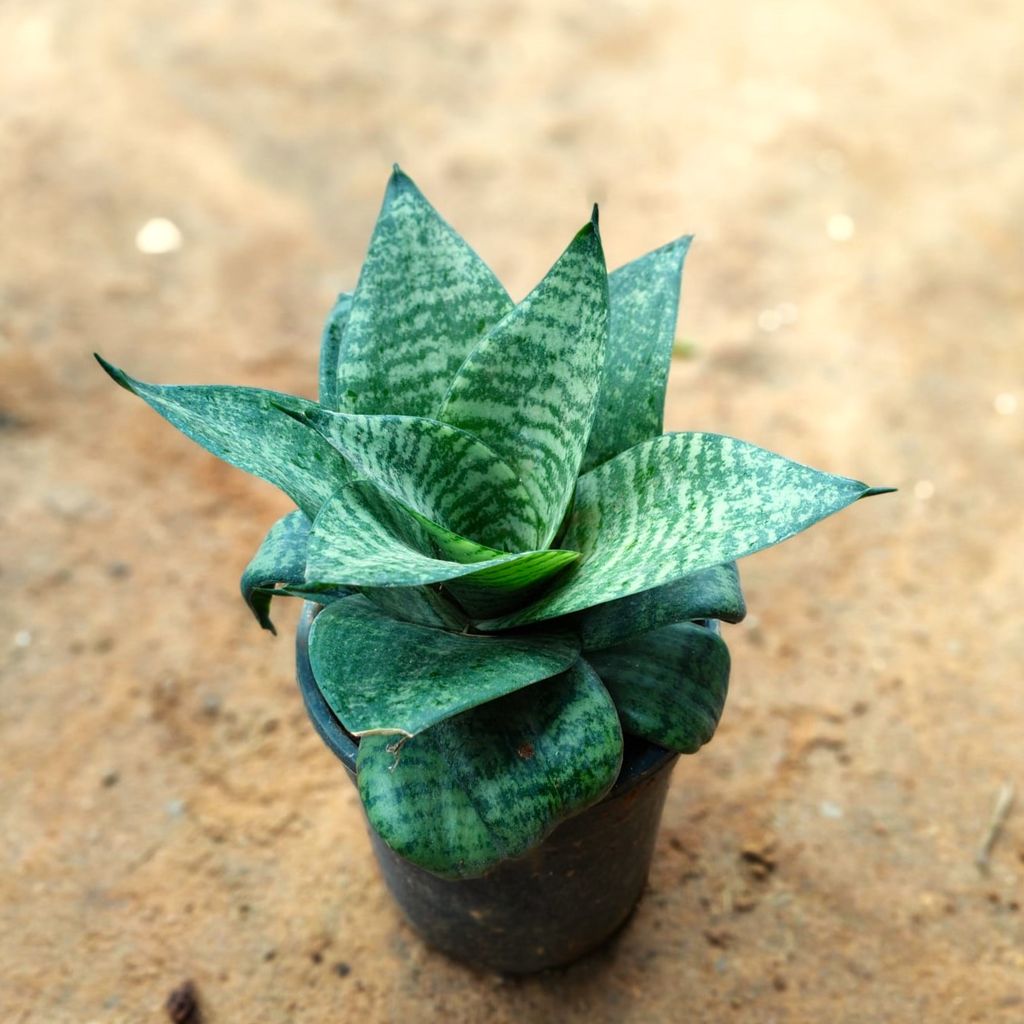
(679, 503)
(712, 593)
(362, 538)
(423, 606)
(643, 300)
(281, 558)
(386, 677)
(423, 301)
(491, 783)
(443, 473)
(529, 389)
(330, 348)
(245, 427)
(483, 598)
(668, 686)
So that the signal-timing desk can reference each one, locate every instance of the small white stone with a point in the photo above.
(840, 227)
(158, 236)
(830, 810)
(769, 320)
(1005, 404)
(22, 638)
(923, 490)
(175, 808)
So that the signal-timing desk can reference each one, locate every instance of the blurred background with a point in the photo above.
(185, 186)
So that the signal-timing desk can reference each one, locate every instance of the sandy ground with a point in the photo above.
(854, 173)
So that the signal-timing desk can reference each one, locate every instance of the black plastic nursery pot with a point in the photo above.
(562, 899)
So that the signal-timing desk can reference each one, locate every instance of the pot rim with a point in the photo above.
(640, 759)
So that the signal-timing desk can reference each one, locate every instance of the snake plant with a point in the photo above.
(516, 566)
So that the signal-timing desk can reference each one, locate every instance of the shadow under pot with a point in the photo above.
(547, 908)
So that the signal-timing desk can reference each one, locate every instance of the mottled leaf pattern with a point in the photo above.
(448, 476)
(712, 593)
(490, 783)
(245, 427)
(330, 347)
(529, 389)
(643, 301)
(483, 600)
(421, 605)
(386, 677)
(676, 504)
(668, 686)
(363, 539)
(458, 436)
(423, 301)
(281, 558)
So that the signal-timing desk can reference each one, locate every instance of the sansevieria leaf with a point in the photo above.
(492, 782)
(423, 301)
(643, 301)
(677, 504)
(246, 427)
(330, 347)
(712, 593)
(281, 558)
(447, 475)
(363, 538)
(529, 389)
(386, 677)
(669, 686)
(423, 606)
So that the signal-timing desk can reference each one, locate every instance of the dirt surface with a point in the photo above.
(854, 173)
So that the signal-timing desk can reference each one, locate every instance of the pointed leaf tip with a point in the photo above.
(280, 559)
(118, 376)
(595, 218)
(400, 181)
(674, 505)
(873, 491)
(681, 244)
(529, 388)
(242, 426)
(643, 299)
(423, 301)
(590, 231)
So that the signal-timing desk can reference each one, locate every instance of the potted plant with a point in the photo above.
(513, 576)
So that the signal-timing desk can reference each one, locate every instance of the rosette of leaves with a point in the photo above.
(515, 564)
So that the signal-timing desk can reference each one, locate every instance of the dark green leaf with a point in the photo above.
(330, 348)
(423, 301)
(281, 558)
(643, 300)
(669, 686)
(246, 427)
(529, 389)
(381, 676)
(482, 599)
(421, 605)
(712, 593)
(491, 783)
(676, 504)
